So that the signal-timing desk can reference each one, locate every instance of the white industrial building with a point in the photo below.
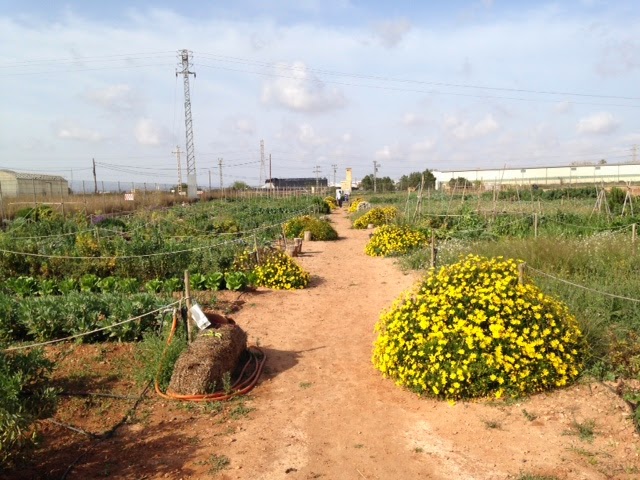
(541, 176)
(16, 184)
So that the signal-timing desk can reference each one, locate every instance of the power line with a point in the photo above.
(280, 65)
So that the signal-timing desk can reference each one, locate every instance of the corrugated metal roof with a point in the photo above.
(35, 176)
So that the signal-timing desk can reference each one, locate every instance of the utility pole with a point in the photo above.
(634, 149)
(335, 168)
(220, 167)
(95, 181)
(177, 154)
(263, 167)
(192, 181)
(317, 172)
(270, 177)
(376, 165)
(209, 181)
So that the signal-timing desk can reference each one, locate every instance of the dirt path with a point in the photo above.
(322, 411)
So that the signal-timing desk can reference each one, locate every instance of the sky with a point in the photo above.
(461, 84)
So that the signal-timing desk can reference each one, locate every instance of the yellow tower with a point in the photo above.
(345, 185)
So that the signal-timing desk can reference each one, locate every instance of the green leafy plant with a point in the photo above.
(214, 281)
(154, 286)
(68, 285)
(89, 283)
(198, 281)
(25, 396)
(47, 286)
(23, 286)
(320, 229)
(235, 280)
(108, 284)
(172, 285)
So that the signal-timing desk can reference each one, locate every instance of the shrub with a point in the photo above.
(279, 271)
(471, 330)
(320, 229)
(24, 398)
(376, 216)
(394, 240)
(354, 204)
(331, 202)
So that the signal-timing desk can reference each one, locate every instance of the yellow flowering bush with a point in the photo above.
(279, 271)
(354, 204)
(393, 240)
(331, 202)
(377, 216)
(471, 330)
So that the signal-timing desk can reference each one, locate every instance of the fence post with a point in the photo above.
(521, 268)
(634, 235)
(187, 294)
(433, 249)
(535, 225)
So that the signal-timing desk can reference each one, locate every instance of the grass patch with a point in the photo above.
(529, 415)
(305, 385)
(584, 430)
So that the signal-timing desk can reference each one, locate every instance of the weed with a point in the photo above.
(494, 424)
(535, 476)
(240, 410)
(418, 450)
(226, 382)
(358, 445)
(585, 430)
(529, 415)
(216, 463)
(305, 385)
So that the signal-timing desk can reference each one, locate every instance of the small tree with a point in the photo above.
(238, 185)
(414, 179)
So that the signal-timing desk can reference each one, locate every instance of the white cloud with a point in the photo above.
(412, 119)
(563, 107)
(244, 125)
(70, 131)
(308, 137)
(300, 90)
(115, 98)
(465, 130)
(619, 58)
(423, 147)
(146, 132)
(346, 137)
(598, 123)
(391, 32)
(385, 153)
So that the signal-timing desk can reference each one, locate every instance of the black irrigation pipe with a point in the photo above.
(109, 433)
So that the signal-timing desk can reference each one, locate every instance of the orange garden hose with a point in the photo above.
(240, 386)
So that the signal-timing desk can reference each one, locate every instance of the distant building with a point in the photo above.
(295, 182)
(541, 176)
(15, 184)
(347, 184)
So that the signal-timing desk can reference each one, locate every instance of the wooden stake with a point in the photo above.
(521, 268)
(634, 235)
(535, 225)
(433, 249)
(187, 294)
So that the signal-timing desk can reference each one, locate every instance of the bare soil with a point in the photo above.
(321, 411)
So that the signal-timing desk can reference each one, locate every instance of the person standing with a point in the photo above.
(339, 197)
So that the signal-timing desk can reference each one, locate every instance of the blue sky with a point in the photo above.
(411, 85)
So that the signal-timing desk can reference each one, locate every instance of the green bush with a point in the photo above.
(376, 216)
(24, 398)
(320, 229)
